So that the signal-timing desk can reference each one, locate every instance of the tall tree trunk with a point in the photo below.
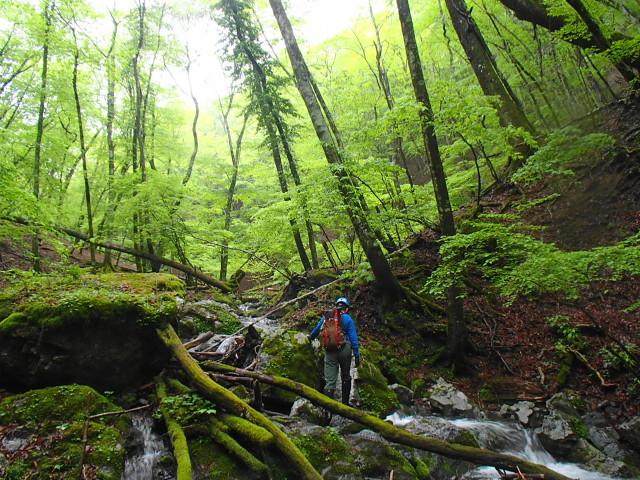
(329, 137)
(35, 240)
(484, 66)
(235, 161)
(194, 124)
(457, 331)
(83, 149)
(293, 168)
(599, 39)
(269, 115)
(111, 146)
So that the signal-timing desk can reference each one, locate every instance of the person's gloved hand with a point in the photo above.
(357, 359)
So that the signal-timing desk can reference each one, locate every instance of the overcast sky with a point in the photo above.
(316, 20)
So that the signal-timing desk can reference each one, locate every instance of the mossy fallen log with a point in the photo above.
(250, 431)
(176, 434)
(217, 429)
(478, 456)
(227, 400)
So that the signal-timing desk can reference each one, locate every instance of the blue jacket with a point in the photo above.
(348, 328)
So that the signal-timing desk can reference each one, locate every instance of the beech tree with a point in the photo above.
(457, 331)
(491, 79)
(329, 136)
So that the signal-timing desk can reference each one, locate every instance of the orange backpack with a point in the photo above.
(331, 336)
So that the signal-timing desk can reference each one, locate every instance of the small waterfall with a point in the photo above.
(143, 464)
(503, 437)
(514, 439)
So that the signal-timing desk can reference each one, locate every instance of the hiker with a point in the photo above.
(338, 336)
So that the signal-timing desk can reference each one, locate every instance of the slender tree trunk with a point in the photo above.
(194, 124)
(235, 161)
(83, 149)
(457, 331)
(111, 146)
(270, 117)
(293, 167)
(329, 137)
(485, 68)
(35, 241)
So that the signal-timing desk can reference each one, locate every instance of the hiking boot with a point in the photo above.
(346, 391)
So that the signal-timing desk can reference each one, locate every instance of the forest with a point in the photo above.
(447, 190)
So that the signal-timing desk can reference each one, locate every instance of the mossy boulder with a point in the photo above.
(97, 330)
(377, 458)
(45, 431)
(289, 354)
(373, 390)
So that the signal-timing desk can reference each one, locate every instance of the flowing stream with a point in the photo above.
(509, 438)
(144, 463)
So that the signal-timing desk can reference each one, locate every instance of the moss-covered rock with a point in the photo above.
(376, 457)
(47, 426)
(323, 447)
(373, 390)
(289, 354)
(97, 330)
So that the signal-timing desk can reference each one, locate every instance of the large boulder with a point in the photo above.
(97, 330)
(42, 434)
(374, 393)
(446, 399)
(289, 354)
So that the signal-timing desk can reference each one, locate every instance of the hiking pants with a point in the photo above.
(334, 360)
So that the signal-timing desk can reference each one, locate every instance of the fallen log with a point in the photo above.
(218, 432)
(203, 337)
(203, 277)
(176, 434)
(478, 456)
(230, 402)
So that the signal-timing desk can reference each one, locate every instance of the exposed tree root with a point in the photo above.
(478, 456)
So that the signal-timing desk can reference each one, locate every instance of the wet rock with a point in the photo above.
(306, 410)
(376, 458)
(588, 455)
(630, 433)
(445, 398)
(557, 434)
(404, 394)
(525, 412)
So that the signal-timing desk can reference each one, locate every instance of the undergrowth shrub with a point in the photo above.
(563, 148)
(517, 264)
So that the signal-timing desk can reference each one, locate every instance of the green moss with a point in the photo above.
(465, 437)
(579, 427)
(374, 392)
(290, 355)
(565, 369)
(486, 394)
(54, 419)
(423, 470)
(246, 429)
(212, 462)
(50, 301)
(323, 449)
